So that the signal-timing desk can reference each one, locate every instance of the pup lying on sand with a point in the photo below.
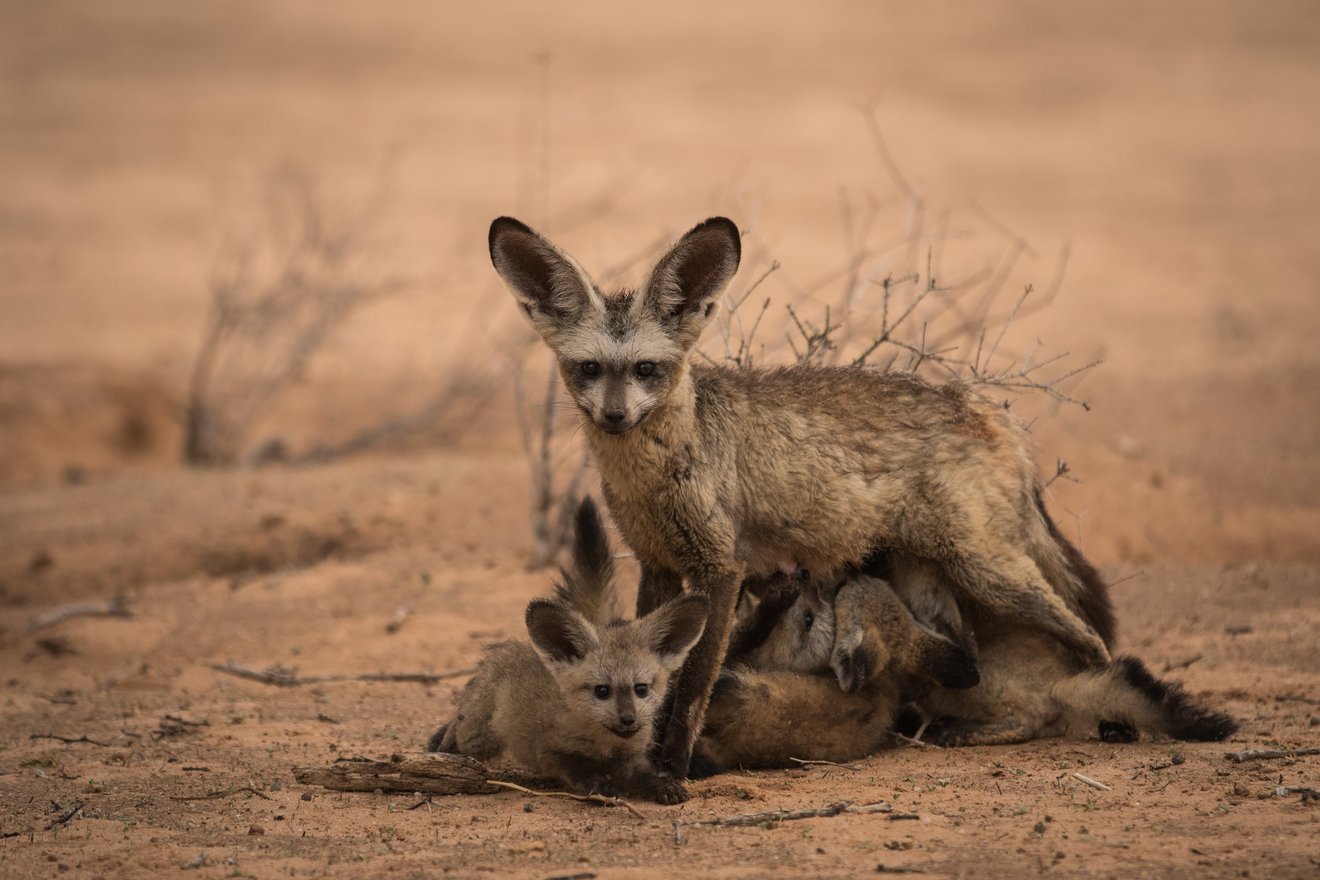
(579, 703)
(778, 697)
(1007, 683)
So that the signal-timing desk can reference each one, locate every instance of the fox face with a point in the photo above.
(802, 639)
(615, 677)
(620, 355)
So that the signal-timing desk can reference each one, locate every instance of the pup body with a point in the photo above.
(579, 703)
(715, 474)
(782, 700)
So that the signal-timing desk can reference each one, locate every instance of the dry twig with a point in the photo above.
(222, 793)
(116, 607)
(1086, 780)
(68, 740)
(811, 763)
(282, 676)
(66, 815)
(1266, 754)
(754, 819)
(593, 798)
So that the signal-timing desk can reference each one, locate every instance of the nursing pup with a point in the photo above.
(781, 699)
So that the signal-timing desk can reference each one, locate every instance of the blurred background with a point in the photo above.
(335, 166)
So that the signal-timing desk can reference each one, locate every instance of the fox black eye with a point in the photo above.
(807, 620)
(602, 692)
(640, 690)
(590, 369)
(644, 369)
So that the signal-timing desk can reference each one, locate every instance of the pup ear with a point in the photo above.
(672, 629)
(946, 663)
(550, 286)
(680, 291)
(559, 634)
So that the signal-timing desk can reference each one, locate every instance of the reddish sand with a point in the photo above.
(1171, 148)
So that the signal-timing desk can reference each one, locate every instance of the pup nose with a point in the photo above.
(614, 416)
(627, 720)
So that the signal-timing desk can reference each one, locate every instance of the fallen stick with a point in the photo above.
(67, 740)
(1170, 666)
(1307, 793)
(1086, 780)
(594, 798)
(427, 773)
(805, 762)
(116, 607)
(221, 793)
(1266, 754)
(66, 816)
(754, 819)
(281, 676)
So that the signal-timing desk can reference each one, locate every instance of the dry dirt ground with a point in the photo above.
(1172, 146)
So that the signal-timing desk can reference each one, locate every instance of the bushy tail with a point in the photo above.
(1072, 577)
(587, 585)
(1124, 699)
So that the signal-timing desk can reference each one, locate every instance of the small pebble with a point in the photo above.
(527, 808)
(256, 829)
(307, 795)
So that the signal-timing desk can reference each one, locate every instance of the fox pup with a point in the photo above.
(1027, 686)
(713, 474)
(578, 704)
(779, 700)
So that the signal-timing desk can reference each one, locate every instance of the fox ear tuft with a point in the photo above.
(672, 629)
(551, 287)
(680, 291)
(559, 634)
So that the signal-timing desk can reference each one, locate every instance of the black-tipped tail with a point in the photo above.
(588, 583)
(1184, 719)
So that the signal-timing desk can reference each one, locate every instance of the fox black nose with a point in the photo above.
(614, 416)
(627, 720)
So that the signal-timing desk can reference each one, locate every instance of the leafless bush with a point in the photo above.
(894, 307)
(277, 294)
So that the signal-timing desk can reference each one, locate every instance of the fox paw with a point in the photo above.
(667, 790)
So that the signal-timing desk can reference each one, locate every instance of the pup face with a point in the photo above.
(618, 676)
(802, 639)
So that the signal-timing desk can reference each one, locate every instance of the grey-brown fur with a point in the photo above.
(579, 703)
(792, 696)
(716, 474)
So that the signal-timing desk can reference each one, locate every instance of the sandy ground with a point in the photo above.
(1171, 149)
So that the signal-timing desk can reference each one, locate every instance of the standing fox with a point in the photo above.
(579, 703)
(713, 474)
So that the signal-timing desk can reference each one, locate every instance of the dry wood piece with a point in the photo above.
(66, 815)
(593, 798)
(429, 773)
(67, 740)
(755, 819)
(1266, 754)
(116, 607)
(282, 676)
(221, 793)
(817, 763)
(1086, 780)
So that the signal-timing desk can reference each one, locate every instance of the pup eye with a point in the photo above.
(807, 620)
(641, 690)
(590, 369)
(644, 369)
(602, 692)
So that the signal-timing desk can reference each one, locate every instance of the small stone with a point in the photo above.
(307, 795)
(527, 807)
(256, 829)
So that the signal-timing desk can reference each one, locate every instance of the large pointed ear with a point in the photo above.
(559, 634)
(672, 629)
(945, 662)
(680, 291)
(550, 286)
